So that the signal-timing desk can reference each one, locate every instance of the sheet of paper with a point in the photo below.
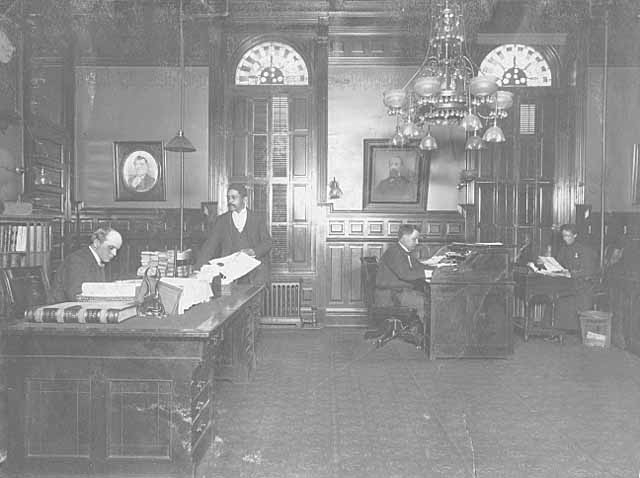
(234, 266)
(194, 291)
(433, 260)
(551, 264)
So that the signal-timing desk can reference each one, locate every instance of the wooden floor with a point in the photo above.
(325, 403)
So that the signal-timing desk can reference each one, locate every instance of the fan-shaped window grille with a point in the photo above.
(272, 63)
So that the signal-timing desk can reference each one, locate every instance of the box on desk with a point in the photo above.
(596, 328)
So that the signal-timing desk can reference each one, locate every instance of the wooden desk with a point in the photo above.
(135, 397)
(545, 305)
(471, 306)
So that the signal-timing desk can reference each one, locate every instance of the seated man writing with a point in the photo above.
(400, 276)
(85, 265)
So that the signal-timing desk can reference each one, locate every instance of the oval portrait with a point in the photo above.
(140, 172)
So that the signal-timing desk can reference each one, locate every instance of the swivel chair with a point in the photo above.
(388, 322)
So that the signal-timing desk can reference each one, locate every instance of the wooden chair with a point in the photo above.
(387, 322)
(26, 287)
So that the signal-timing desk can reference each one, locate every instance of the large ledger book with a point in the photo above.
(82, 312)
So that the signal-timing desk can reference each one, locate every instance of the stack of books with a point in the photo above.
(169, 263)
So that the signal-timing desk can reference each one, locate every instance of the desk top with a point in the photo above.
(198, 322)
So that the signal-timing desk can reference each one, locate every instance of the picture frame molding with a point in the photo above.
(370, 146)
(122, 151)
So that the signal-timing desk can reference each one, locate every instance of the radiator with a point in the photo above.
(281, 303)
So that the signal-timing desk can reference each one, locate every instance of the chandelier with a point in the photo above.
(446, 91)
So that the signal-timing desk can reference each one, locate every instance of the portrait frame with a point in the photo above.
(384, 191)
(144, 182)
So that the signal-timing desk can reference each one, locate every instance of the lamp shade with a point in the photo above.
(474, 143)
(397, 139)
(394, 98)
(411, 131)
(471, 122)
(494, 135)
(428, 143)
(180, 144)
(484, 85)
(427, 86)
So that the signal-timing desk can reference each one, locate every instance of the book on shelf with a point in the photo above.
(82, 312)
(21, 239)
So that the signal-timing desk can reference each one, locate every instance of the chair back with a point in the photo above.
(27, 287)
(369, 270)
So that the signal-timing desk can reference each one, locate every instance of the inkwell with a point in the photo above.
(149, 301)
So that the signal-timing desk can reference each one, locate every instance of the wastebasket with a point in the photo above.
(596, 328)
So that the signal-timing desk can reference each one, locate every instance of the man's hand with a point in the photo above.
(249, 252)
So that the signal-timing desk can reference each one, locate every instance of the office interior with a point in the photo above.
(295, 100)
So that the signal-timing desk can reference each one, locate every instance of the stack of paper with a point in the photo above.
(118, 290)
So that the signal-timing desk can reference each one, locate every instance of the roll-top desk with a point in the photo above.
(471, 304)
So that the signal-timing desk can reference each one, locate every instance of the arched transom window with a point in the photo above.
(272, 63)
(517, 65)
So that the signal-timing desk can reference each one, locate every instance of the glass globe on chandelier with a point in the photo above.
(445, 90)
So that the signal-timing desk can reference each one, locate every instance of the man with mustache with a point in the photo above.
(397, 186)
(239, 229)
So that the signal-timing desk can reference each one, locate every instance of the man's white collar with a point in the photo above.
(96, 256)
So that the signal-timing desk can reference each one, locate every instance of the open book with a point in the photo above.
(549, 265)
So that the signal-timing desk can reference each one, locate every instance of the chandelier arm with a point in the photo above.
(413, 77)
(427, 56)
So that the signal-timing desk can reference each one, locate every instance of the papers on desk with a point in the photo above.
(446, 260)
(180, 293)
(549, 266)
(231, 267)
(433, 261)
(117, 290)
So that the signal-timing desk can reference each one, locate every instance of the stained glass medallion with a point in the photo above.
(517, 65)
(271, 63)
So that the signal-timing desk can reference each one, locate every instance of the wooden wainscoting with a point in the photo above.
(141, 229)
(352, 236)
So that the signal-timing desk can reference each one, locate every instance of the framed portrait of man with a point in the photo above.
(139, 171)
(395, 178)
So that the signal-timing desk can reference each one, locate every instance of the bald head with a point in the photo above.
(105, 243)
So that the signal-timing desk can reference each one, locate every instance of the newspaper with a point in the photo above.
(230, 267)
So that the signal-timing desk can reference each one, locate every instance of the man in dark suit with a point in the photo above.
(400, 279)
(141, 181)
(239, 229)
(85, 265)
(398, 186)
(582, 262)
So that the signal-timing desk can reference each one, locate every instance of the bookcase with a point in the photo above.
(30, 241)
